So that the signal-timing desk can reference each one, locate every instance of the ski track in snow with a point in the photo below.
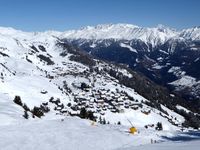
(77, 134)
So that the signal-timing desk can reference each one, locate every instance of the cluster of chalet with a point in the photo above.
(101, 100)
(95, 99)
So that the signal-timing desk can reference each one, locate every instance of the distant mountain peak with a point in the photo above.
(163, 28)
(122, 32)
(109, 26)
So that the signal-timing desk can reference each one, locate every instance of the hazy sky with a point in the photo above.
(40, 15)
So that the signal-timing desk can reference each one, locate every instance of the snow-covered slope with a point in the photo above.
(42, 74)
(40, 68)
(122, 32)
(154, 36)
(73, 133)
(191, 33)
(163, 46)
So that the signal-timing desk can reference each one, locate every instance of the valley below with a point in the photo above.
(91, 89)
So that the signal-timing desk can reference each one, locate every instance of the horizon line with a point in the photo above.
(95, 25)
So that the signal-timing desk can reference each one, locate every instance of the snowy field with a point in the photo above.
(25, 74)
(78, 134)
(192, 145)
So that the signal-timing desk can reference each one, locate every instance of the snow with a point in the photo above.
(93, 45)
(191, 33)
(182, 108)
(135, 118)
(32, 96)
(28, 80)
(157, 66)
(122, 31)
(184, 81)
(194, 145)
(164, 52)
(155, 36)
(196, 59)
(54, 134)
(177, 71)
(75, 133)
(129, 47)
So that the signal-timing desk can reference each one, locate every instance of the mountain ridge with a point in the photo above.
(42, 73)
(162, 28)
(134, 44)
(152, 51)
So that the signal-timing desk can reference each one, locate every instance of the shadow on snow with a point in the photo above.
(185, 136)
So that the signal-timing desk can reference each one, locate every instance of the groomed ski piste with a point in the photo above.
(73, 133)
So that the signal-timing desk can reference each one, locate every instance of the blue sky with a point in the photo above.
(40, 15)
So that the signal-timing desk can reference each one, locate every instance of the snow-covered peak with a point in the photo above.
(109, 26)
(48, 67)
(116, 26)
(154, 36)
(8, 30)
(166, 29)
(104, 31)
(191, 33)
(21, 35)
(122, 31)
(11, 32)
